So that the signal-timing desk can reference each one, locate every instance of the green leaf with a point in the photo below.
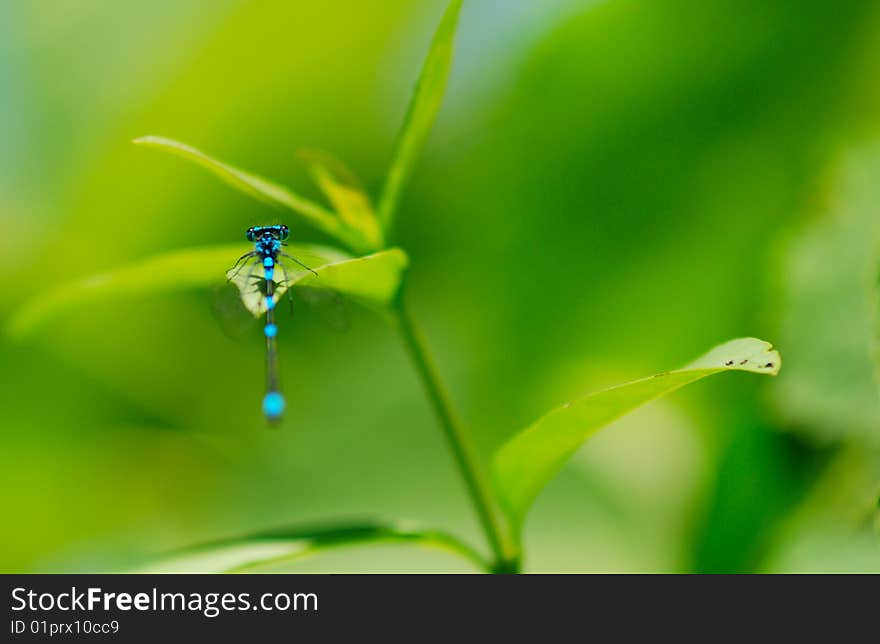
(345, 193)
(421, 114)
(289, 544)
(373, 280)
(527, 462)
(265, 191)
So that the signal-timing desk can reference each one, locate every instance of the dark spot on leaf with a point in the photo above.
(769, 365)
(744, 362)
(728, 363)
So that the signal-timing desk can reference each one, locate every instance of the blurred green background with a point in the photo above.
(611, 189)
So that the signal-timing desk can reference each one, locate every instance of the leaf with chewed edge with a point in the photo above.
(524, 465)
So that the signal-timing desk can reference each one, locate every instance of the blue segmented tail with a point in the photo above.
(268, 241)
(273, 402)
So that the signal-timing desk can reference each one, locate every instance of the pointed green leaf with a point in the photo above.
(264, 190)
(345, 194)
(374, 280)
(421, 114)
(275, 547)
(527, 462)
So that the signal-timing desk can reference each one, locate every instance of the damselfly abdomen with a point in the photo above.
(263, 276)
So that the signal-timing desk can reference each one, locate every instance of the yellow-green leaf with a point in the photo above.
(421, 114)
(265, 191)
(345, 193)
(527, 462)
(374, 280)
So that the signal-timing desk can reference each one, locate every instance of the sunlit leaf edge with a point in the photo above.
(263, 550)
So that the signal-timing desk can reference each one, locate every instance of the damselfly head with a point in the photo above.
(279, 232)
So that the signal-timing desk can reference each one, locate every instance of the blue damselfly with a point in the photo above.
(263, 276)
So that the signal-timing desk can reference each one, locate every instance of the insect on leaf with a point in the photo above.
(249, 276)
(423, 109)
(373, 280)
(527, 462)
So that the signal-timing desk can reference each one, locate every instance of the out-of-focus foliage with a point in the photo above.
(830, 395)
(829, 275)
(611, 186)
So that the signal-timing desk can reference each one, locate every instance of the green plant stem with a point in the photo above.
(506, 558)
